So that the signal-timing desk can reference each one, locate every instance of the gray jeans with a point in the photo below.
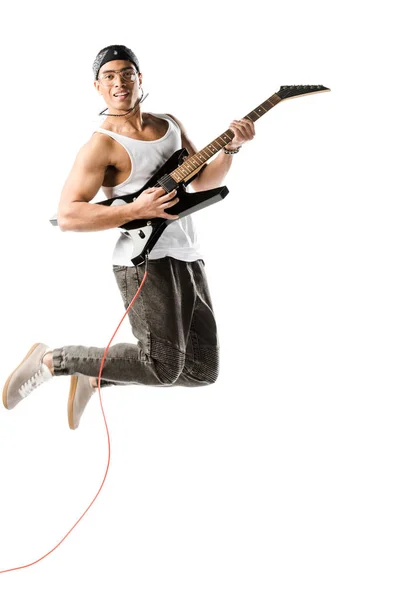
(173, 321)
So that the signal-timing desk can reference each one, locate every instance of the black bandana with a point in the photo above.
(114, 53)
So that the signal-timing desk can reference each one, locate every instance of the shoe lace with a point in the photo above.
(33, 382)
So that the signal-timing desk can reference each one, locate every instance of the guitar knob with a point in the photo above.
(141, 234)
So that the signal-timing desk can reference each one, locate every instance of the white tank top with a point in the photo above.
(179, 239)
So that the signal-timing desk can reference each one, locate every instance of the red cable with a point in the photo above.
(108, 435)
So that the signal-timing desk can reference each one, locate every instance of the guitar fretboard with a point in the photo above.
(197, 160)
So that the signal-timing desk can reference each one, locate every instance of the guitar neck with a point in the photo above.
(194, 162)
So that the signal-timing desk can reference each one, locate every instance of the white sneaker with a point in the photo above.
(28, 376)
(80, 392)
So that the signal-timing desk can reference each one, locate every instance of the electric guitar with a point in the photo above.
(179, 170)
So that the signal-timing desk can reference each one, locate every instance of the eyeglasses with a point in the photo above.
(108, 79)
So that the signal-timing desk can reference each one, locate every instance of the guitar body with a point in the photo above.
(145, 233)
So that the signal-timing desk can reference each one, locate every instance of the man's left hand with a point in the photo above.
(244, 132)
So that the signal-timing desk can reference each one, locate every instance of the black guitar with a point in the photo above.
(179, 170)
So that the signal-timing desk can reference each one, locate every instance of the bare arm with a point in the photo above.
(215, 171)
(84, 181)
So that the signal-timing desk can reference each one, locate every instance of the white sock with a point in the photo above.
(46, 368)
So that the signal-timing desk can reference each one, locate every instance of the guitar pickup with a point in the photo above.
(167, 182)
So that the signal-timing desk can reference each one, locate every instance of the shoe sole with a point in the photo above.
(71, 397)
(5, 389)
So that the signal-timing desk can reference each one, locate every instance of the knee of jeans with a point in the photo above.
(212, 377)
(168, 373)
(168, 362)
(207, 370)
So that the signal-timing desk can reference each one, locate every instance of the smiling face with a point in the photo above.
(119, 84)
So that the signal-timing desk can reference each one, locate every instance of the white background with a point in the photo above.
(280, 481)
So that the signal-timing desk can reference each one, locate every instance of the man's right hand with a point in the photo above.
(152, 203)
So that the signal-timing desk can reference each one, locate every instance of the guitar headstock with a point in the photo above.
(289, 91)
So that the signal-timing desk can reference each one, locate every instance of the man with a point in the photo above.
(172, 318)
